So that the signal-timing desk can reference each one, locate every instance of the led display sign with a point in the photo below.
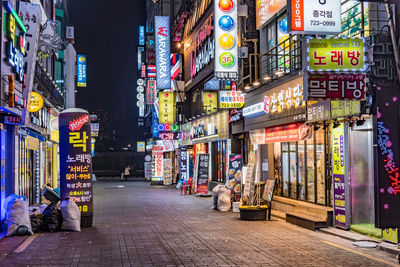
(141, 35)
(231, 99)
(163, 52)
(226, 39)
(35, 102)
(81, 70)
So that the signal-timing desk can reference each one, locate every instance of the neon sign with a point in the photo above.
(15, 55)
(168, 127)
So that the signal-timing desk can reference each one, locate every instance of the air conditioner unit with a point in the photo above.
(243, 52)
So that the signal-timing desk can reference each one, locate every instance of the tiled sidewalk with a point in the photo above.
(141, 225)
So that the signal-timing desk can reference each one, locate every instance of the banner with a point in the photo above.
(226, 40)
(167, 107)
(163, 52)
(76, 161)
(341, 190)
(315, 17)
(157, 164)
(81, 72)
(284, 133)
(234, 181)
(147, 171)
(202, 173)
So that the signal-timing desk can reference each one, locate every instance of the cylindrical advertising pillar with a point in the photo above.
(76, 161)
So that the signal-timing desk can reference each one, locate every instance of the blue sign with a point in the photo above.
(141, 35)
(81, 70)
(154, 123)
(163, 52)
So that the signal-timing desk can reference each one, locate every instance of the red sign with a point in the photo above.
(297, 15)
(143, 71)
(151, 91)
(13, 120)
(335, 86)
(284, 133)
(77, 124)
(152, 71)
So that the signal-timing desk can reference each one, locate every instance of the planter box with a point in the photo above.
(253, 214)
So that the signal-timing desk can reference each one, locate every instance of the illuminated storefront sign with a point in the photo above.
(210, 102)
(340, 176)
(168, 127)
(76, 161)
(168, 136)
(154, 125)
(231, 99)
(315, 17)
(141, 146)
(167, 107)
(151, 71)
(226, 39)
(157, 163)
(254, 109)
(16, 45)
(140, 97)
(163, 52)
(81, 70)
(318, 110)
(143, 71)
(265, 9)
(336, 54)
(140, 51)
(343, 108)
(35, 102)
(204, 48)
(141, 35)
(284, 133)
(151, 91)
(285, 99)
(334, 86)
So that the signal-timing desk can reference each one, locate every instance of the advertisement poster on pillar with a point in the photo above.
(81, 70)
(235, 175)
(202, 174)
(226, 39)
(163, 52)
(76, 159)
(315, 17)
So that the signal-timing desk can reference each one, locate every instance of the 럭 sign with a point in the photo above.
(315, 17)
(335, 54)
(81, 70)
(340, 177)
(334, 86)
(76, 161)
(231, 99)
(163, 52)
(226, 40)
(167, 108)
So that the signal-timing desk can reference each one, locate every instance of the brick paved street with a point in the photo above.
(140, 225)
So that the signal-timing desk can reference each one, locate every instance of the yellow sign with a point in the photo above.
(31, 143)
(336, 54)
(210, 102)
(343, 108)
(35, 102)
(167, 107)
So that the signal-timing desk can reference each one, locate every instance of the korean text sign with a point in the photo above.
(335, 86)
(184, 159)
(202, 173)
(163, 52)
(336, 54)
(315, 17)
(231, 99)
(141, 35)
(167, 107)
(226, 40)
(76, 159)
(157, 163)
(340, 181)
(266, 9)
(81, 70)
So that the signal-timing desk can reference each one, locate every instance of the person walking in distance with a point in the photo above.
(127, 172)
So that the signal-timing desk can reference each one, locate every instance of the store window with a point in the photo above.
(310, 170)
(285, 169)
(320, 159)
(293, 169)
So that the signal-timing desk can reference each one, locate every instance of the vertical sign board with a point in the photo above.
(202, 174)
(226, 40)
(157, 153)
(315, 17)
(341, 181)
(163, 52)
(167, 175)
(234, 181)
(386, 143)
(167, 107)
(184, 175)
(76, 161)
(81, 70)
(141, 35)
(151, 92)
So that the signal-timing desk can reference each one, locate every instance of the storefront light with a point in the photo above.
(256, 83)
(247, 87)
(279, 73)
(267, 78)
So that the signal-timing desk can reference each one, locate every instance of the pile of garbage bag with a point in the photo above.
(24, 220)
(222, 198)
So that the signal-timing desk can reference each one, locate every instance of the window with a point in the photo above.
(301, 170)
(320, 159)
(310, 170)
(293, 169)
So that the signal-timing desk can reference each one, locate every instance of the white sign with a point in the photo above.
(253, 109)
(231, 99)
(315, 17)
(69, 34)
(94, 127)
(226, 40)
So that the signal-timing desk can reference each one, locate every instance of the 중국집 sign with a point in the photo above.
(336, 54)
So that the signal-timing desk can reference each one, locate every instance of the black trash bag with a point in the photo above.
(52, 218)
(37, 224)
(22, 230)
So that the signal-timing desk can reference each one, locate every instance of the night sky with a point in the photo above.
(107, 32)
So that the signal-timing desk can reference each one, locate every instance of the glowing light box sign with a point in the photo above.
(81, 70)
(163, 52)
(226, 39)
(76, 161)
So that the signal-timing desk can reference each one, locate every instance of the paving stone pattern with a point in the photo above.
(143, 225)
